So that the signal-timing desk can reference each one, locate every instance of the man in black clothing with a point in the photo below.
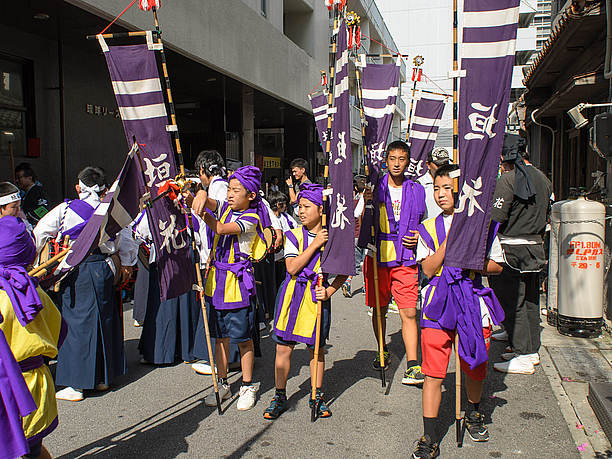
(298, 171)
(521, 205)
(33, 201)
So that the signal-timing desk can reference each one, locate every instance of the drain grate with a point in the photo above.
(600, 399)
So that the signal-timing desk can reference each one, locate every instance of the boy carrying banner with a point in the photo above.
(33, 329)
(401, 207)
(230, 287)
(296, 309)
(454, 301)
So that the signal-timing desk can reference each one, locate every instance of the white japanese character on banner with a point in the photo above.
(171, 235)
(377, 152)
(339, 219)
(481, 124)
(415, 167)
(468, 196)
(341, 148)
(156, 172)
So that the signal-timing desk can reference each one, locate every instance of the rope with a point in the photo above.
(397, 53)
(120, 14)
(436, 85)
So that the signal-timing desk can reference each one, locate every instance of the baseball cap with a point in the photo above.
(439, 156)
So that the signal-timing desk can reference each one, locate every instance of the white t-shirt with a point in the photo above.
(217, 189)
(360, 206)
(496, 254)
(290, 248)
(396, 201)
(433, 210)
(284, 220)
(247, 234)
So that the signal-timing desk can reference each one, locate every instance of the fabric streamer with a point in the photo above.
(514, 145)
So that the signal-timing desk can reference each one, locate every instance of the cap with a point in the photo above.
(233, 164)
(439, 156)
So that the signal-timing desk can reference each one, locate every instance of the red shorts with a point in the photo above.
(400, 281)
(436, 347)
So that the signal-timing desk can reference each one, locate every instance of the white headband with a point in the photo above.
(4, 200)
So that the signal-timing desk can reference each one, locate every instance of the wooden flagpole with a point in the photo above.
(458, 417)
(418, 62)
(381, 338)
(181, 180)
(330, 103)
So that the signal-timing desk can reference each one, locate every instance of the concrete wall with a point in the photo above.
(234, 38)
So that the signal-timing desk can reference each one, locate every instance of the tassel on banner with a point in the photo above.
(148, 5)
(330, 4)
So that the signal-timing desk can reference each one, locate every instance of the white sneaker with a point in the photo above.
(248, 395)
(70, 394)
(535, 358)
(224, 393)
(202, 368)
(500, 336)
(520, 365)
(137, 324)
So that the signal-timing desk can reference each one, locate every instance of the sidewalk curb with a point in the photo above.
(565, 405)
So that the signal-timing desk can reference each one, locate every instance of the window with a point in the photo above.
(16, 105)
(264, 8)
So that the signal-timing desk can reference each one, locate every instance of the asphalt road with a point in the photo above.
(158, 412)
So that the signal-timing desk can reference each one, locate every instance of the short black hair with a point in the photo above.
(27, 170)
(398, 145)
(275, 198)
(299, 162)
(7, 188)
(92, 176)
(211, 163)
(445, 171)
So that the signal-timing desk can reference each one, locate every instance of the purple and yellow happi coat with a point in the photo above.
(296, 305)
(452, 298)
(231, 282)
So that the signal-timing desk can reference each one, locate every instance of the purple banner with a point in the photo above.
(339, 254)
(487, 57)
(319, 110)
(137, 86)
(380, 84)
(423, 133)
(117, 210)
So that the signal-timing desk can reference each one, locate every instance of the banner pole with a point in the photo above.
(330, 104)
(196, 256)
(418, 62)
(455, 91)
(381, 338)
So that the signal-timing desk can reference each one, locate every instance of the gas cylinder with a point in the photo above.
(553, 265)
(580, 286)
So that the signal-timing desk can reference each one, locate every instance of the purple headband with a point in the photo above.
(250, 178)
(311, 191)
(17, 251)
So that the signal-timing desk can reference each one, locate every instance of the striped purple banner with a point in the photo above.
(423, 133)
(487, 58)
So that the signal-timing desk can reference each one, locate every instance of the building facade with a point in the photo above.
(240, 72)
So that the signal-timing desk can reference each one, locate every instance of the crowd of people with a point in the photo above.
(78, 323)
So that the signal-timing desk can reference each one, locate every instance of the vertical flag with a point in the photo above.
(319, 110)
(487, 58)
(339, 254)
(380, 88)
(137, 86)
(423, 133)
(117, 210)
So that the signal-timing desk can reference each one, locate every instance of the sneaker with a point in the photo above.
(520, 365)
(393, 307)
(246, 400)
(500, 336)
(137, 324)
(475, 426)
(346, 289)
(70, 394)
(202, 368)
(101, 387)
(323, 410)
(224, 393)
(413, 376)
(278, 406)
(376, 361)
(426, 449)
(535, 358)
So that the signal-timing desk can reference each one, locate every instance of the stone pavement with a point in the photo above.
(158, 412)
